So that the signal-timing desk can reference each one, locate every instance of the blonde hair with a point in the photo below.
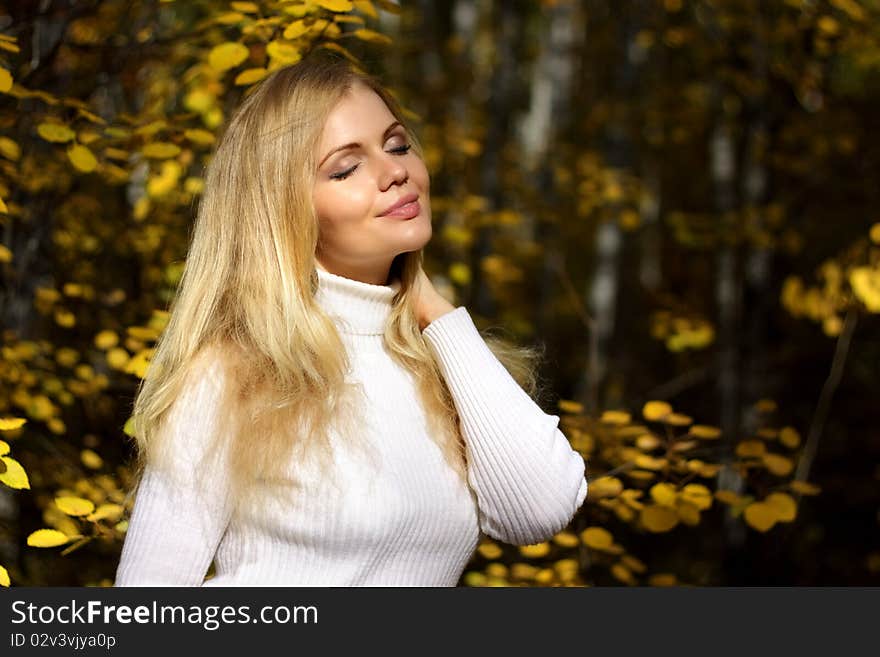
(245, 304)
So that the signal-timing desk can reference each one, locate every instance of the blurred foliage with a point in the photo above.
(689, 130)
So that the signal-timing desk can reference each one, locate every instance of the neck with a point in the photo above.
(371, 276)
(357, 308)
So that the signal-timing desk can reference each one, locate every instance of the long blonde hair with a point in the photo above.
(245, 310)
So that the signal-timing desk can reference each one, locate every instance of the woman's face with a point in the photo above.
(365, 166)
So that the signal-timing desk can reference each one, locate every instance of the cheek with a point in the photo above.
(337, 206)
(419, 172)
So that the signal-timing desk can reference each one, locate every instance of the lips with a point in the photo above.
(403, 200)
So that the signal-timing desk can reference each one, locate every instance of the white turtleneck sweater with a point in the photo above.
(415, 523)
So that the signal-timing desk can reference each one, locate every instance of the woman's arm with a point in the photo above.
(528, 480)
(180, 511)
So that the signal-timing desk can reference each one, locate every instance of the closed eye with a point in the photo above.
(342, 175)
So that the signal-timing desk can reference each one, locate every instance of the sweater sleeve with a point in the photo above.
(181, 510)
(528, 480)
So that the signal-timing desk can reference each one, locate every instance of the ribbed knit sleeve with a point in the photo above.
(178, 518)
(528, 480)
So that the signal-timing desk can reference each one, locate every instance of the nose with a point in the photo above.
(392, 171)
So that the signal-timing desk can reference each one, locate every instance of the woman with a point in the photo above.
(315, 413)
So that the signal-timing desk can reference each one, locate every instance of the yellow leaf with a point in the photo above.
(633, 564)
(568, 406)
(366, 7)
(622, 573)
(698, 495)
(4, 577)
(851, 7)
(295, 29)
(285, 53)
(786, 507)
(489, 550)
(460, 273)
(199, 100)
(615, 417)
(250, 75)
(760, 516)
(604, 487)
(15, 476)
(46, 538)
(650, 463)
(160, 150)
(535, 551)
(804, 488)
(111, 512)
(874, 233)
(336, 5)
(678, 420)
(4, 209)
(139, 363)
(865, 283)
(790, 437)
(4, 447)
(750, 448)
(470, 147)
(647, 441)
(5, 254)
(621, 510)
(65, 318)
(658, 518)
(82, 158)
(371, 36)
(766, 406)
(777, 464)
(663, 494)
(663, 579)
(597, 538)
(197, 136)
(474, 578)
(227, 55)
(656, 410)
(630, 498)
(9, 149)
(91, 459)
(641, 475)
(246, 7)
(566, 539)
(705, 431)
(106, 340)
(832, 326)
(230, 18)
(687, 513)
(55, 132)
(117, 358)
(828, 25)
(74, 506)
(193, 185)
(166, 180)
(496, 570)
(5, 80)
(727, 497)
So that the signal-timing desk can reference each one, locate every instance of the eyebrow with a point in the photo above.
(356, 144)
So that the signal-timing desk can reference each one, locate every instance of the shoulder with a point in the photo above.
(201, 384)
(214, 364)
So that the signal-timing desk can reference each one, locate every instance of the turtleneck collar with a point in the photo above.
(358, 308)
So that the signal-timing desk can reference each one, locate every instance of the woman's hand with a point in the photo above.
(429, 304)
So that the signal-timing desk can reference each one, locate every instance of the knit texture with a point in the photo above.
(406, 519)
